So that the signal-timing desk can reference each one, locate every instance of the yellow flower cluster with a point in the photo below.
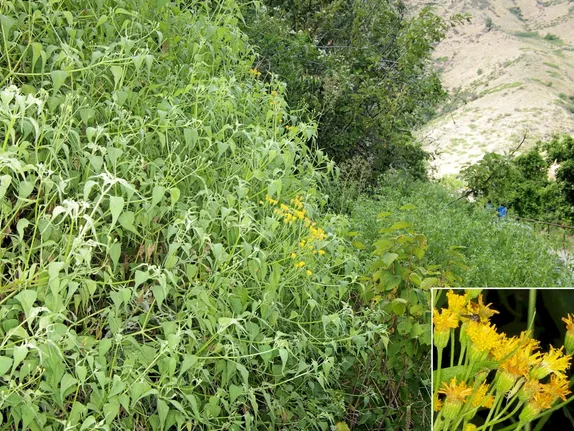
(255, 73)
(296, 212)
(537, 378)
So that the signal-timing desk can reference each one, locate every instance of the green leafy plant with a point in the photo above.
(145, 282)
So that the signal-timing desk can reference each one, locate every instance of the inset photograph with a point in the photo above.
(502, 359)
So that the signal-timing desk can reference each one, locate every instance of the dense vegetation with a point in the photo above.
(169, 253)
(478, 248)
(528, 183)
(362, 67)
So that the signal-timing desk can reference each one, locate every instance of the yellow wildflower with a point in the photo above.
(437, 405)
(455, 397)
(321, 252)
(483, 337)
(456, 302)
(443, 323)
(553, 361)
(308, 272)
(300, 264)
(480, 399)
(569, 320)
(293, 255)
(558, 387)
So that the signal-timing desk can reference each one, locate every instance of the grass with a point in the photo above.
(501, 87)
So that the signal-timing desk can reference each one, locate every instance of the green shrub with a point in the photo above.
(517, 12)
(552, 37)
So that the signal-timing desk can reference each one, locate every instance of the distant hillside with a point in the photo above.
(509, 72)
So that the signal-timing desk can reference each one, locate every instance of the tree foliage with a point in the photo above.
(361, 66)
(525, 183)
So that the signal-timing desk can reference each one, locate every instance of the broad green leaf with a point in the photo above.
(427, 283)
(5, 365)
(162, 410)
(19, 354)
(222, 147)
(399, 306)
(141, 277)
(191, 136)
(86, 114)
(88, 424)
(88, 188)
(400, 225)
(101, 20)
(97, 162)
(234, 392)
(174, 193)
(22, 224)
(116, 207)
(159, 294)
(7, 23)
(407, 207)
(111, 409)
(26, 298)
(68, 381)
(126, 220)
(138, 60)
(5, 181)
(137, 390)
(389, 258)
(404, 327)
(217, 250)
(188, 362)
(58, 78)
(244, 373)
(274, 188)
(157, 195)
(25, 189)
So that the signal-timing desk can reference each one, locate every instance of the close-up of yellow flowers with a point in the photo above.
(485, 380)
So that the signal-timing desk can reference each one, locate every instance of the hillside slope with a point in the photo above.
(509, 73)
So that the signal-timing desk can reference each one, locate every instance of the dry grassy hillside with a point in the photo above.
(509, 72)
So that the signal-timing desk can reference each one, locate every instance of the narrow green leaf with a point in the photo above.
(115, 253)
(174, 193)
(116, 207)
(118, 73)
